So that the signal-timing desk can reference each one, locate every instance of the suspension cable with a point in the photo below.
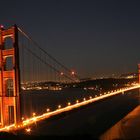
(52, 67)
(37, 45)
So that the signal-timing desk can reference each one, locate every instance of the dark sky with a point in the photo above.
(92, 36)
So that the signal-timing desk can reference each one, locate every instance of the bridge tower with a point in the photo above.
(9, 77)
(139, 73)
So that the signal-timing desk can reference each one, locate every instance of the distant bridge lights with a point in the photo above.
(26, 123)
(34, 114)
(1, 26)
(73, 73)
(59, 106)
(61, 73)
(48, 110)
(77, 101)
(28, 130)
(69, 103)
(90, 97)
(22, 118)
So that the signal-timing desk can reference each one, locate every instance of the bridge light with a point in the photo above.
(90, 97)
(26, 121)
(59, 106)
(7, 127)
(1, 26)
(21, 125)
(61, 73)
(22, 118)
(34, 119)
(73, 73)
(34, 113)
(69, 103)
(28, 130)
(48, 110)
(84, 99)
(77, 101)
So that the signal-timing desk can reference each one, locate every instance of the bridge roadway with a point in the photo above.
(35, 119)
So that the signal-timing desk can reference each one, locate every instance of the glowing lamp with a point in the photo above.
(59, 106)
(72, 72)
(22, 118)
(69, 103)
(34, 114)
(61, 73)
(28, 130)
(1, 26)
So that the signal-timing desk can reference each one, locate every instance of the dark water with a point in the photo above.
(93, 119)
(39, 101)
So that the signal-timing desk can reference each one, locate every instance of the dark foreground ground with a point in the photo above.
(8, 136)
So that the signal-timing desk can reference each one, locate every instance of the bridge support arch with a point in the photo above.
(9, 78)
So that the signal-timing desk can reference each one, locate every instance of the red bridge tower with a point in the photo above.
(9, 77)
(139, 73)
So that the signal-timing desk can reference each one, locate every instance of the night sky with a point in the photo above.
(94, 37)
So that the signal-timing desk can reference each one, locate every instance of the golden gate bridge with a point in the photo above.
(24, 65)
